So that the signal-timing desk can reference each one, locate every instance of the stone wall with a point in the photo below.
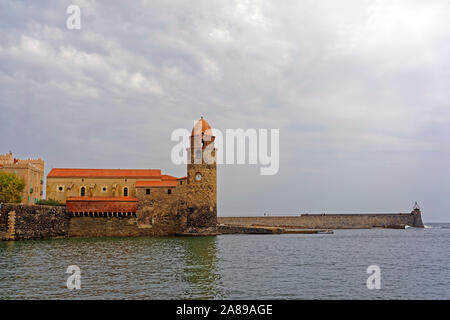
(232, 229)
(331, 221)
(189, 208)
(22, 222)
(160, 211)
(201, 197)
(3, 220)
(107, 227)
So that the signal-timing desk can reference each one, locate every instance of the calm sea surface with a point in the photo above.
(415, 264)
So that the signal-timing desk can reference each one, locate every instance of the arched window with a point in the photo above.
(125, 192)
(169, 191)
(83, 191)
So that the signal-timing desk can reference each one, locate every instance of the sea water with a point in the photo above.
(413, 263)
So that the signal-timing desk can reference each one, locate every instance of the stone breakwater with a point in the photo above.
(330, 221)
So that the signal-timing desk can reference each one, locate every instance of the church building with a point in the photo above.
(163, 204)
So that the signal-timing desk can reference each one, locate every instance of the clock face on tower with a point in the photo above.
(198, 177)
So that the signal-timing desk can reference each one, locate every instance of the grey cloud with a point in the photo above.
(358, 90)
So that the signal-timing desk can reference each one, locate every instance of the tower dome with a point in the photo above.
(202, 127)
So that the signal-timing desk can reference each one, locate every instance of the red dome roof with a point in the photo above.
(202, 127)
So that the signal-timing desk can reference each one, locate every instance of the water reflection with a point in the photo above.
(201, 270)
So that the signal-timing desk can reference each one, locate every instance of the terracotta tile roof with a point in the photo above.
(164, 183)
(167, 177)
(105, 173)
(126, 199)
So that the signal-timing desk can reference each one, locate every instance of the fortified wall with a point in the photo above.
(331, 221)
(22, 222)
(3, 221)
(116, 226)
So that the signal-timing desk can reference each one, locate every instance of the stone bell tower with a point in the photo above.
(202, 178)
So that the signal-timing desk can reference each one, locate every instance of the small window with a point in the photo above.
(83, 191)
(125, 192)
(198, 154)
(60, 188)
(169, 191)
(147, 191)
(181, 182)
(104, 189)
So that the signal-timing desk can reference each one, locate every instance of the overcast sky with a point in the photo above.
(359, 90)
